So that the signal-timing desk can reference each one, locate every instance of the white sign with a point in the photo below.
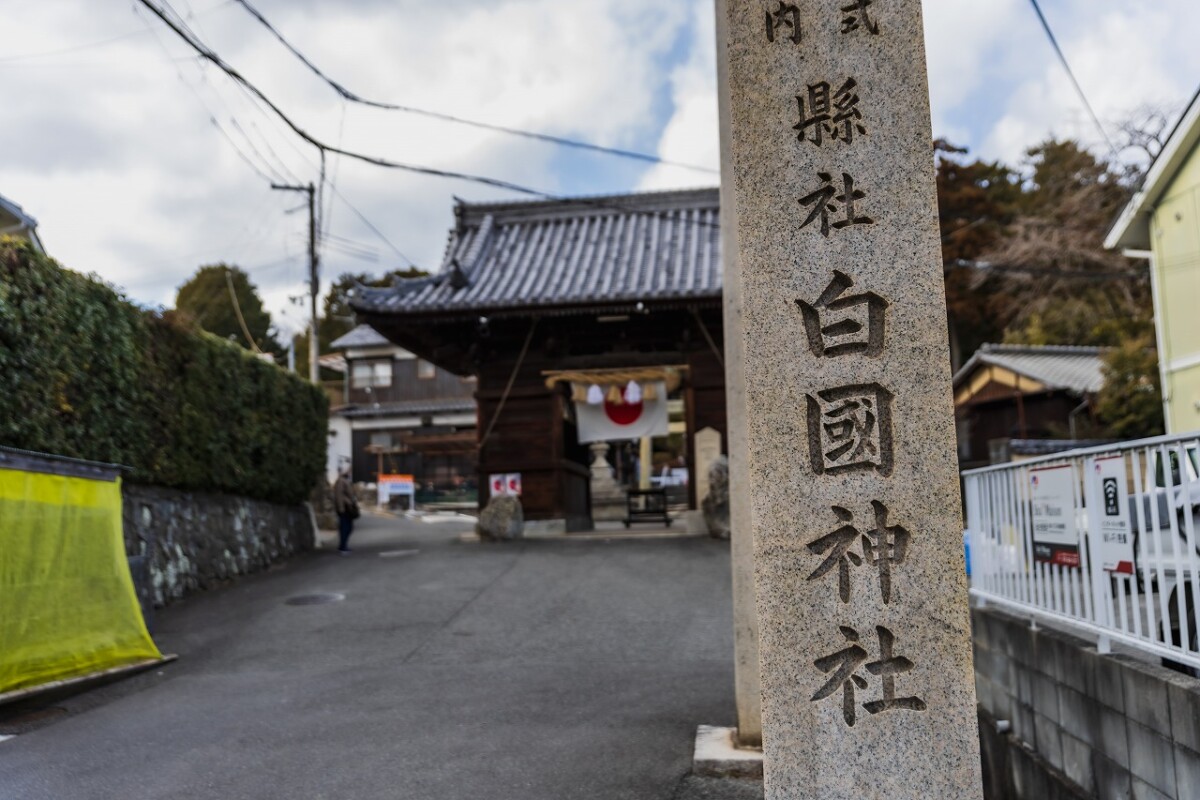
(1055, 535)
(1114, 544)
(505, 483)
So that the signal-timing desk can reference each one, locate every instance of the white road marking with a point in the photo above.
(398, 553)
(5, 738)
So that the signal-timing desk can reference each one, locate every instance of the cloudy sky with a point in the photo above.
(136, 159)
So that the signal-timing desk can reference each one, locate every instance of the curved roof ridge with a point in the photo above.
(1043, 349)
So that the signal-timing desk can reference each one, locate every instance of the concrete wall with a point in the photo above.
(193, 541)
(1083, 725)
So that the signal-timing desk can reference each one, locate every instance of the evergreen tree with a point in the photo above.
(206, 300)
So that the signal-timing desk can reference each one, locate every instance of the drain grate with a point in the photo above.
(318, 599)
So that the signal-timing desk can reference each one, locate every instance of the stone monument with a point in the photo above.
(707, 443)
(501, 520)
(608, 498)
(867, 683)
(716, 500)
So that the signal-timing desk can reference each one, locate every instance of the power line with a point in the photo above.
(100, 43)
(1070, 74)
(350, 96)
(212, 116)
(370, 225)
(988, 266)
(283, 175)
(211, 56)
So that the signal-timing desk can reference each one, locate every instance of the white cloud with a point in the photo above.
(1124, 54)
(691, 136)
(115, 155)
(965, 44)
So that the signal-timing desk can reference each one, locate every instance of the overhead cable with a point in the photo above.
(1071, 74)
(352, 97)
(209, 55)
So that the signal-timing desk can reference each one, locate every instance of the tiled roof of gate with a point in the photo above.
(1076, 369)
(619, 249)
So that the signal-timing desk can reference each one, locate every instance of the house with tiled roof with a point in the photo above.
(15, 222)
(400, 414)
(1021, 393)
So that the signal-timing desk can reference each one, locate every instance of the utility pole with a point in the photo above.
(314, 281)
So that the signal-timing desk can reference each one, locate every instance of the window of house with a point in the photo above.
(367, 374)
(425, 370)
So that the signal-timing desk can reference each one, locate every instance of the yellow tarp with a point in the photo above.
(67, 602)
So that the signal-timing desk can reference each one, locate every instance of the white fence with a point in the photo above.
(1104, 539)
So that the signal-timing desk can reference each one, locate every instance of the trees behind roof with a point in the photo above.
(206, 300)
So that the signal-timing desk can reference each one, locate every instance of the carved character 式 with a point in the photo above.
(850, 428)
(840, 324)
(884, 546)
(822, 201)
(857, 16)
(844, 665)
(829, 112)
(784, 22)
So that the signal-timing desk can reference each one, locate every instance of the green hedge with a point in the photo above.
(84, 373)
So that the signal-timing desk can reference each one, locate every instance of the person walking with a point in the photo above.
(346, 506)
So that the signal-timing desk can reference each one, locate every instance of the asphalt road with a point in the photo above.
(542, 669)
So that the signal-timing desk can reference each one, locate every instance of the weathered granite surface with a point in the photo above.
(747, 687)
(195, 541)
(867, 681)
(502, 519)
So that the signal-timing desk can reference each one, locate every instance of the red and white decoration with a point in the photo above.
(502, 483)
(622, 412)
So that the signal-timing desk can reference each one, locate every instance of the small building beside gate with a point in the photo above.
(546, 304)
(401, 414)
(1008, 393)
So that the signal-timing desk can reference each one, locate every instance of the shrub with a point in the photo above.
(84, 373)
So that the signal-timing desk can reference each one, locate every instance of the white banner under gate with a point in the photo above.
(612, 420)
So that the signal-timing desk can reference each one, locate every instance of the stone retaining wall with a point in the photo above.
(194, 541)
(1080, 724)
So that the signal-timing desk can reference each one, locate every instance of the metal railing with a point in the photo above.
(1102, 539)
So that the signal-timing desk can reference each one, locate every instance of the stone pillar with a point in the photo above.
(867, 683)
(645, 456)
(747, 690)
